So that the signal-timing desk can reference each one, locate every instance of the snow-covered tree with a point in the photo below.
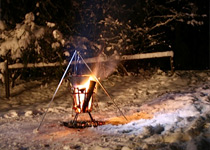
(47, 29)
(144, 26)
(30, 43)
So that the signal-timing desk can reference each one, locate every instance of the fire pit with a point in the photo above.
(83, 88)
(83, 93)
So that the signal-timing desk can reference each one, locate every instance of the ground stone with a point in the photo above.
(171, 138)
(100, 148)
(28, 113)
(66, 147)
(125, 148)
(11, 114)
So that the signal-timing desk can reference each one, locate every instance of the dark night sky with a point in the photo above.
(191, 47)
(191, 44)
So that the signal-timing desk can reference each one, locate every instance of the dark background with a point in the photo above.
(189, 43)
(191, 47)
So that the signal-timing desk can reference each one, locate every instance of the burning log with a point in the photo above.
(82, 94)
(89, 96)
(82, 101)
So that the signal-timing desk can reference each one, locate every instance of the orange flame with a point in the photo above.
(80, 93)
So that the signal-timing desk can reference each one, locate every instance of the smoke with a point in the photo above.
(103, 69)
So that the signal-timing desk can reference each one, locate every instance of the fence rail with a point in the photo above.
(88, 60)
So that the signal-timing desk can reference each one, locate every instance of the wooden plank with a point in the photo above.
(97, 59)
(35, 65)
(130, 57)
(148, 55)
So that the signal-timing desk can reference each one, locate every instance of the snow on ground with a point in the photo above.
(163, 112)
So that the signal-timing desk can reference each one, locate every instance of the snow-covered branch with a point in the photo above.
(162, 23)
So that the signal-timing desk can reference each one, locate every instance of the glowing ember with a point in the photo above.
(83, 124)
(133, 117)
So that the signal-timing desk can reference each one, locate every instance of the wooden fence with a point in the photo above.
(8, 67)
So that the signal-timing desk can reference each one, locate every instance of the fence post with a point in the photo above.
(6, 79)
(172, 65)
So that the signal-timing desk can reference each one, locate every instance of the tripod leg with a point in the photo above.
(91, 117)
(67, 68)
(75, 118)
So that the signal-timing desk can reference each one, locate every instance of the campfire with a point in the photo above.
(83, 88)
(83, 94)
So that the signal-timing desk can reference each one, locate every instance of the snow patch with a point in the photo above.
(28, 113)
(50, 24)
(174, 116)
(11, 114)
(57, 35)
(39, 33)
(55, 45)
(29, 17)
